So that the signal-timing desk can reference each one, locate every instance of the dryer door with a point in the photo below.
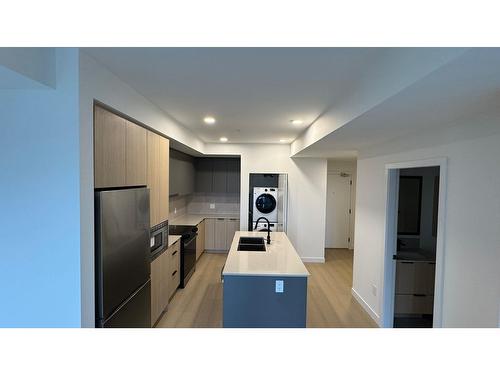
(265, 203)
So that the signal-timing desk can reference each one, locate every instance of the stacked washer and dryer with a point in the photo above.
(269, 202)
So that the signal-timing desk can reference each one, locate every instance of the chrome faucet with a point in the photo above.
(268, 228)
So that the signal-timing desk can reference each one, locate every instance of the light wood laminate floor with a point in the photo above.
(329, 299)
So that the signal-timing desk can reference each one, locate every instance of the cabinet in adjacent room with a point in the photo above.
(414, 287)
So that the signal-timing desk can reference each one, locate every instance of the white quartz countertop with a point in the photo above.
(195, 219)
(279, 259)
(173, 239)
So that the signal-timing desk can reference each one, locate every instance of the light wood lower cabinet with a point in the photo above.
(200, 241)
(175, 268)
(210, 234)
(232, 225)
(156, 289)
(165, 279)
(219, 233)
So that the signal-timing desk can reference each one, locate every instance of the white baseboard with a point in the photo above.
(313, 259)
(366, 306)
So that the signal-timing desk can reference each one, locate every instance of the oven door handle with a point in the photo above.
(191, 240)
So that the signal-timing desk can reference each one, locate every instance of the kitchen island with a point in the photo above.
(264, 288)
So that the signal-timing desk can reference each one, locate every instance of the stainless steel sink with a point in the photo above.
(251, 244)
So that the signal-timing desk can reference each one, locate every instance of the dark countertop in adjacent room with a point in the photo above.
(417, 255)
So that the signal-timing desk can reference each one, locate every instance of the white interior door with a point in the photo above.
(337, 211)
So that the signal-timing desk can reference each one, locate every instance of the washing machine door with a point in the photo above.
(265, 203)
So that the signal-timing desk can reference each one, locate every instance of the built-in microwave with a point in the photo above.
(159, 237)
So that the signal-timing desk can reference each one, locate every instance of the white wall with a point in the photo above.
(40, 202)
(346, 166)
(472, 235)
(306, 191)
(96, 82)
(32, 68)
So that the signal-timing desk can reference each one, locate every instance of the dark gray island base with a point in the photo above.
(252, 302)
(264, 289)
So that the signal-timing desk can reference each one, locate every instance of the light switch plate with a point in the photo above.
(212, 206)
(280, 286)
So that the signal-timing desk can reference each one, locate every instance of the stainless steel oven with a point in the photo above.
(158, 238)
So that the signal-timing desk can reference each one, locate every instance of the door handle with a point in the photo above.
(173, 273)
(175, 252)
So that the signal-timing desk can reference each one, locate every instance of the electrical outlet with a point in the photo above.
(280, 286)
(374, 289)
(212, 206)
(175, 210)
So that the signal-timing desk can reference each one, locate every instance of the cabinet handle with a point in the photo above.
(173, 273)
(407, 262)
(220, 219)
(419, 295)
(175, 252)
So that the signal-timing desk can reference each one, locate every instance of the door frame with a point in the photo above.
(389, 265)
(350, 234)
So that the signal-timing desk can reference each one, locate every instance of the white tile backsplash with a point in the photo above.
(200, 203)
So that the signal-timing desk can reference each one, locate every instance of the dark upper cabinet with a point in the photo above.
(217, 175)
(219, 184)
(203, 175)
(233, 176)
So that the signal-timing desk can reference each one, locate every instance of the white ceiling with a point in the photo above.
(252, 92)
(462, 92)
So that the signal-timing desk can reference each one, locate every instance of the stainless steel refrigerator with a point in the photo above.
(122, 258)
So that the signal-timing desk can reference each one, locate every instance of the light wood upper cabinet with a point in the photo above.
(157, 177)
(153, 177)
(119, 151)
(164, 145)
(135, 154)
(109, 149)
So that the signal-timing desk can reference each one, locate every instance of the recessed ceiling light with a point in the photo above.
(296, 122)
(283, 140)
(223, 139)
(209, 120)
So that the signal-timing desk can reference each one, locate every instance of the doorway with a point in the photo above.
(414, 244)
(338, 210)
